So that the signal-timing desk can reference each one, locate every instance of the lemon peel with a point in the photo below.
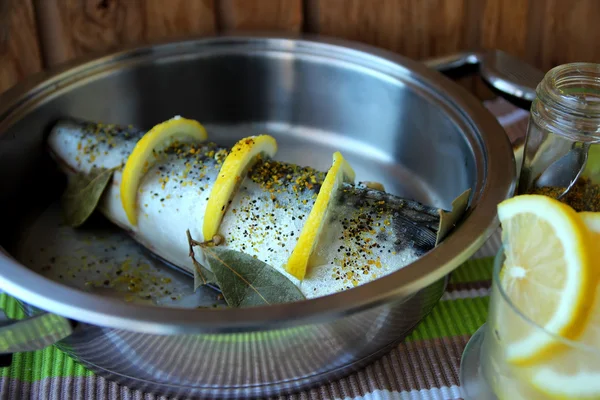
(234, 167)
(138, 162)
(339, 173)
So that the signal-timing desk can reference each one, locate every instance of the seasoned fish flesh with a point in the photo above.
(367, 234)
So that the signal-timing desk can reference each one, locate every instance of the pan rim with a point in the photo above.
(496, 183)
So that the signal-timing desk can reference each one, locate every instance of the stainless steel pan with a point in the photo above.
(397, 121)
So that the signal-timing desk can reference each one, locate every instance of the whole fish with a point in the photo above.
(368, 233)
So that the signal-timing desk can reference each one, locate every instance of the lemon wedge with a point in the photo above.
(138, 162)
(574, 371)
(339, 173)
(548, 275)
(234, 167)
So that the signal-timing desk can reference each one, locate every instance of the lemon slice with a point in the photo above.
(157, 138)
(548, 274)
(574, 372)
(339, 173)
(234, 167)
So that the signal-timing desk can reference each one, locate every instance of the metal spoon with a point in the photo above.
(565, 171)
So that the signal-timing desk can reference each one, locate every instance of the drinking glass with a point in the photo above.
(486, 372)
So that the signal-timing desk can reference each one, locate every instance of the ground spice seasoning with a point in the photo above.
(583, 196)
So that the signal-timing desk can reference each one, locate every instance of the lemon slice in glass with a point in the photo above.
(339, 173)
(574, 371)
(548, 274)
(234, 168)
(141, 158)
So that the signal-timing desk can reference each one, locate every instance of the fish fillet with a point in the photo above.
(368, 233)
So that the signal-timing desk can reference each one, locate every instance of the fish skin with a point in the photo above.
(368, 233)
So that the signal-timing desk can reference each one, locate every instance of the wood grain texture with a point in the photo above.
(19, 48)
(70, 28)
(499, 24)
(417, 29)
(565, 31)
(273, 15)
(505, 26)
(543, 32)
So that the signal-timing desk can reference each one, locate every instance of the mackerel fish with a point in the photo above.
(367, 235)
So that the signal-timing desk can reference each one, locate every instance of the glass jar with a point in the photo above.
(561, 156)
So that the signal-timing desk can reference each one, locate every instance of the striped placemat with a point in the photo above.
(424, 366)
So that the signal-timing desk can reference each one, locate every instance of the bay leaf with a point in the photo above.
(246, 281)
(83, 194)
(202, 275)
(449, 219)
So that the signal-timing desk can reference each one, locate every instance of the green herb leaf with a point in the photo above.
(202, 275)
(83, 194)
(243, 280)
(449, 219)
(246, 281)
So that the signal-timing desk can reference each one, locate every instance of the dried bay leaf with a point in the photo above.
(83, 194)
(449, 219)
(243, 280)
(202, 275)
(246, 281)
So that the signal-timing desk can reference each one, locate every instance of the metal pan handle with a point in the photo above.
(32, 333)
(508, 76)
(456, 65)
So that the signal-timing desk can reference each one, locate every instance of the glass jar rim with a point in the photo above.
(562, 84)
(498, 264)
(567, 102)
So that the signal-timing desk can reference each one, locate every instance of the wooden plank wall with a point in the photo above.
(41, 33)
(19, 49)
